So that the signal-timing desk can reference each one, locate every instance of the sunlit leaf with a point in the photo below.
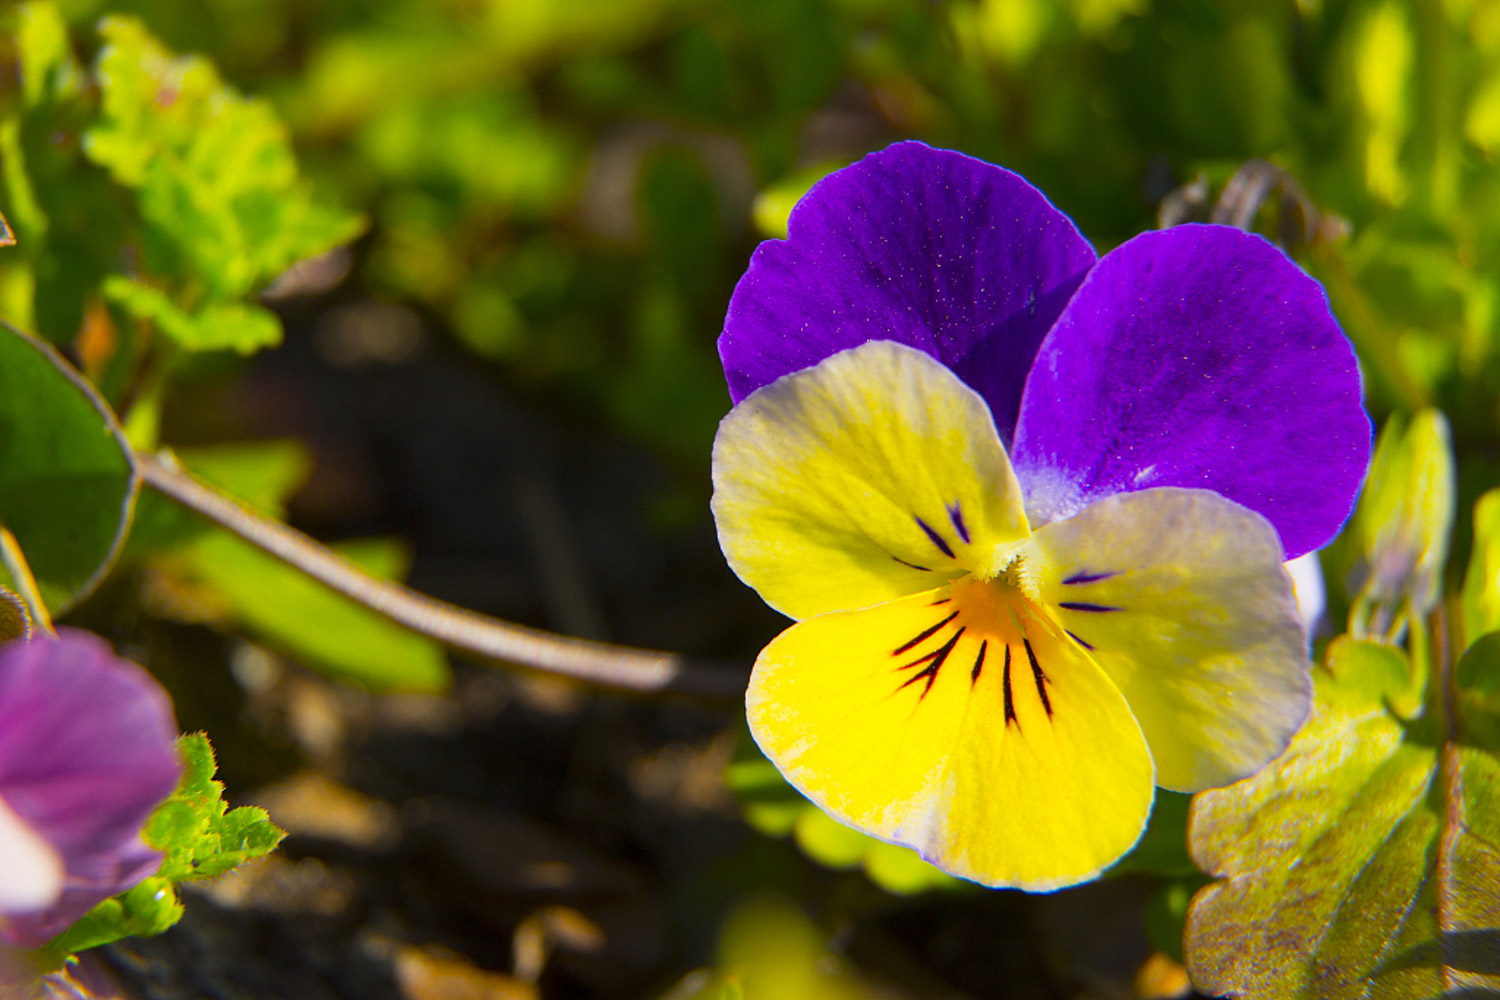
(236, 326)
(343, 639)
(214, 171)
(199, 837)
(280, 604)
(48, 69)
(67, 482)
(1363, 861)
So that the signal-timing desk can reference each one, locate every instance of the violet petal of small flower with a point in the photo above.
(1198, 357)
(931, 248)
(87, 751)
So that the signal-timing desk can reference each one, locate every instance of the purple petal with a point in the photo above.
(934, 249)
(1199, 356)
(86, 753)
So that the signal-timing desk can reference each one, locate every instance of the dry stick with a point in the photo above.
(15, 563)
(461, 629)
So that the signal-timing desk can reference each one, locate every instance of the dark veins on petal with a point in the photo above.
(956, 515)
(934, 661)
(937, 539)
(1010, 706)
(1080, 578)
(1041, 679)
(1081, 606)
(1081, 642)
(922, 636)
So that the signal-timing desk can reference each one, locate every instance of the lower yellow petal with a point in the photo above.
(961, 722)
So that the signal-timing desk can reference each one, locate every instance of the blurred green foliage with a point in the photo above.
(570, 191)
(575, 190)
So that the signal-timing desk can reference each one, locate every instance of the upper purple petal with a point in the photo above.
(87, 751)
(1199, 356)
(934, 249)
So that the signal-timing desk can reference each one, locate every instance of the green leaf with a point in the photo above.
(48, 70)
(1480, 603)
(1363, 861)
(217, 181)
(196, 831)
(330, 632)
(199, 837)
(67, 479)
(146, 910)
(236, 326)
(279, 604)
(1405, 522)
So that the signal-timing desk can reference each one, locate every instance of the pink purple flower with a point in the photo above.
(86, 753)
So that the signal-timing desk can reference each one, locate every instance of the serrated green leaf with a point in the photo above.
(233, 326)
(216, 179)
(67, 482)
(1405, 522)
(199, 837)
(195, 830)
(1363, 861)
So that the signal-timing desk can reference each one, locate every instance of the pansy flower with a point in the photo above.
(87, 751)
(1028, 507)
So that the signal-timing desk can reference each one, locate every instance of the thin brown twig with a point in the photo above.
(458, 628)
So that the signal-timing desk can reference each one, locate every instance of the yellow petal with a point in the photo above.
(1184, 600)
(963, 723)
(874, 474)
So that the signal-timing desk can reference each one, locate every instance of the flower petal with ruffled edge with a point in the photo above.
(87, 751)
(957, 257)
(1198, 357)
(872, 475)
(961, 723)
(989, 719)
(1181, 598)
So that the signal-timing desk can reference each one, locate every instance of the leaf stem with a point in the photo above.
(19, 569)
(458, 628)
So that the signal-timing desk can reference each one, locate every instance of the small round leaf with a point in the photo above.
(67, 478)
